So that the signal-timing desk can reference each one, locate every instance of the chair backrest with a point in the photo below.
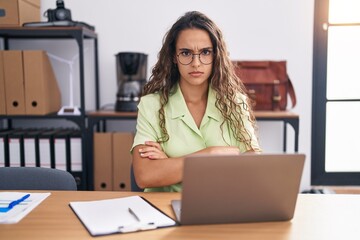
(35, 178)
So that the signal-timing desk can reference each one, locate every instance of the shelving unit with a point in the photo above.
(97, 117)
(79, 34)
(94, 119)
(87, 121)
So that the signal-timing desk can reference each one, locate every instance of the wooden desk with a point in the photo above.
(318, 216)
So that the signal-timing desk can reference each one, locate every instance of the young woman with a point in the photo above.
(193, 104)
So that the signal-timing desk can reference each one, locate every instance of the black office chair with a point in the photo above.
(35, 178)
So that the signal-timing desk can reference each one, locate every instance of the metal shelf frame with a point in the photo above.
(79, 34)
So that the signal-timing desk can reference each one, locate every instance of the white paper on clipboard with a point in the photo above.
(120, 215)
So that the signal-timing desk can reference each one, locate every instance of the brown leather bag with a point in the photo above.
(267, 83)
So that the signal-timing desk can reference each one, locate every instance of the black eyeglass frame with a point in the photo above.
(192, 58)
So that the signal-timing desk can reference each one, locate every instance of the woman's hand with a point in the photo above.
(152, 150)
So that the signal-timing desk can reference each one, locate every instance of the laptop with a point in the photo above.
(238, 189)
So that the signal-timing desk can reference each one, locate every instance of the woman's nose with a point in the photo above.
(196, 60)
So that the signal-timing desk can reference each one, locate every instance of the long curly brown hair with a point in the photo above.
(223, 79)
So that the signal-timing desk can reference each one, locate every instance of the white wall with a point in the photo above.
(257, 29)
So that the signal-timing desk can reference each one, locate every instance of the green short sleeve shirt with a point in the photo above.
(184, 136)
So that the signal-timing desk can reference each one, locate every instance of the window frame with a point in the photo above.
(318, 136)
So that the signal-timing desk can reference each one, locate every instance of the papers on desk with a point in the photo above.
(14, 206)
(120, 215)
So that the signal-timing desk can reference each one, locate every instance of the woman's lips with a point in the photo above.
(196, 74)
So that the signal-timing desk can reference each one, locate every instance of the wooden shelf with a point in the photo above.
(275, 114)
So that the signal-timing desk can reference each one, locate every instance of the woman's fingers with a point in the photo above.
(153, 144)
(152, 153)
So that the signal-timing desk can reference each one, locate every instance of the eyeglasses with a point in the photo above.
(206, 57)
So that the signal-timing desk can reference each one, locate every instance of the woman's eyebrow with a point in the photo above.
(184, 49)
(190, 50)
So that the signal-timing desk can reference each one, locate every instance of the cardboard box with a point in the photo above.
(17, 12)
(122, 159)
(14, 82)
(2, 86)
(42, 93)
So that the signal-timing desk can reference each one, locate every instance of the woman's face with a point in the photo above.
(194, 69)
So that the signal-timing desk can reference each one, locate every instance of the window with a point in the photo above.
(336, 93)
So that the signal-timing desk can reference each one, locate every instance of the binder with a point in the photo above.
(74, 163)
(76, 151)
(4, 147)
(103, 163)
(2, 86)
(122, 142)
(14, 82)
(2, 151)
(31, 148)
(46, 148)
(17, 12)
(16, 149)
(42, 94)
(62, 150)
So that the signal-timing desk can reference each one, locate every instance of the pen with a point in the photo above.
(137, 217)
(138, 226)
(133, 213)
(13, 204)
(16, 202)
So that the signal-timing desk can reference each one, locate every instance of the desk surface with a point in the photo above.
(317, 216)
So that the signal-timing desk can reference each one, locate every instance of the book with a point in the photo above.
(120, 215)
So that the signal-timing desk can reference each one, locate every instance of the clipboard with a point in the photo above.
(120, 215)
